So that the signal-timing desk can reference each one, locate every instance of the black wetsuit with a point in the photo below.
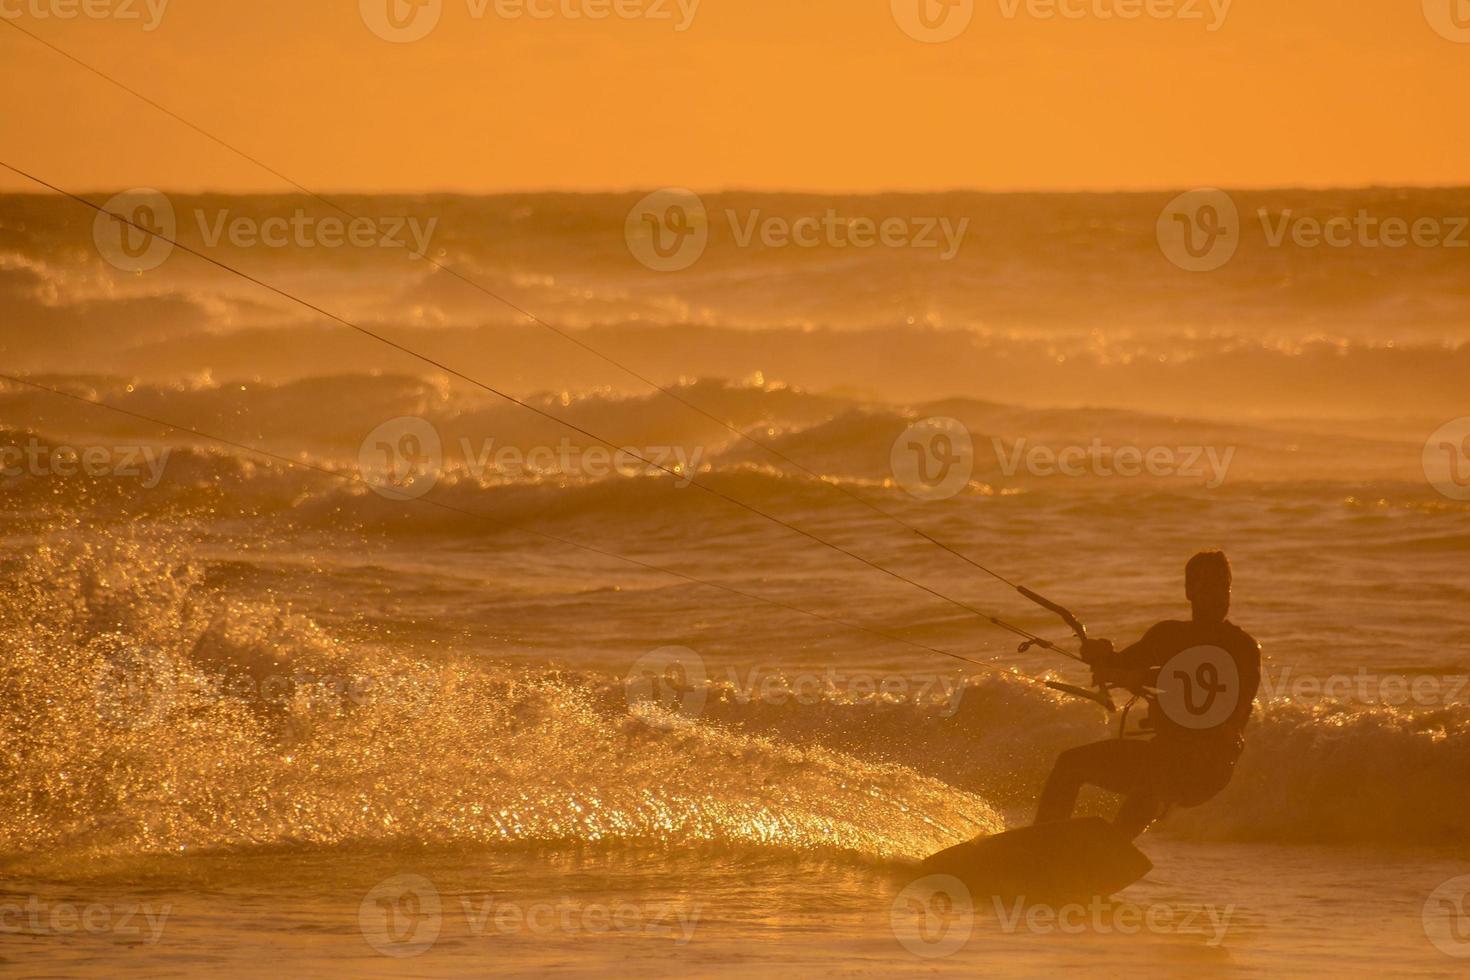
(1185, 763)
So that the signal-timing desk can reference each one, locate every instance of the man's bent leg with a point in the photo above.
(1116, 765)
(1059, 795)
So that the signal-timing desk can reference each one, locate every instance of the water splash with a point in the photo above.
(143, 712)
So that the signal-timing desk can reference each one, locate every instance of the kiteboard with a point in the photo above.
(1065, 861)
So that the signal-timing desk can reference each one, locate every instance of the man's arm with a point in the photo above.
(1132, 667)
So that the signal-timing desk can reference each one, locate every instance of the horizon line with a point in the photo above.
(775, 192)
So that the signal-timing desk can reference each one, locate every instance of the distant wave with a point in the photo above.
(1054, 300)
(482, 444)
(1038, 262)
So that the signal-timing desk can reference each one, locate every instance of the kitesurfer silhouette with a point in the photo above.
(1200, 677)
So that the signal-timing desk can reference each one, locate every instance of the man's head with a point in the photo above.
(1207, 585)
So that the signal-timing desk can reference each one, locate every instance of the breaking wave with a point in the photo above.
(147, 711)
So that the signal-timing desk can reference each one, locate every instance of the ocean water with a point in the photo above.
(333, 660)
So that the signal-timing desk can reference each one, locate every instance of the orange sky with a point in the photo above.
(771, 94)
